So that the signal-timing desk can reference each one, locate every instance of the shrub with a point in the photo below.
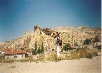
(89, 56)
(34, 51)
(83, 52)
(39, 50)
(99, 47)
(9, 61)
(42, 48)
(66, 47)
(41, 57)
(87, 42)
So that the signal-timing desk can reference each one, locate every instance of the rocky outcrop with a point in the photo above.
(40, 37)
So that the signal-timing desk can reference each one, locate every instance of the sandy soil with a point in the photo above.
(82, 65)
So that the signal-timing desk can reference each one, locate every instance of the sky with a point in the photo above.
(20, 16)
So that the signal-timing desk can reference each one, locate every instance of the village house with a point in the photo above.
(17, 54)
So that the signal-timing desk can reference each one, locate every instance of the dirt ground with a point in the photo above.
(82, 65)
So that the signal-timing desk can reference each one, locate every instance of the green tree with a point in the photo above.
(39, 50)
(66, 47)
(42, 48)
(35, 45)
(87, 42)
(34, 51)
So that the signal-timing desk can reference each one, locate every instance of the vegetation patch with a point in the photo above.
(9, 61)
(89, 56)
(79, 53)
(41, 57)
(24, 60)
(2, 58)
(12, 67)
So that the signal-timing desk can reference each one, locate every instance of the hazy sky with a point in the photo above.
(19, 16)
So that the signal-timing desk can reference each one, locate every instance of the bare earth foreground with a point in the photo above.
(82, 65)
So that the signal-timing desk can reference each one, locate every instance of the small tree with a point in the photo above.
(35, 44)
(39, 50)
(34, 51)
(87, 42)
(66, 47)
(42, 48)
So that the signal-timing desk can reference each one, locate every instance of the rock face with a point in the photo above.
(40, 37)
(77, 35)
(45, 35)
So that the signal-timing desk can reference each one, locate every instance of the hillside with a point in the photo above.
(45, 35)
